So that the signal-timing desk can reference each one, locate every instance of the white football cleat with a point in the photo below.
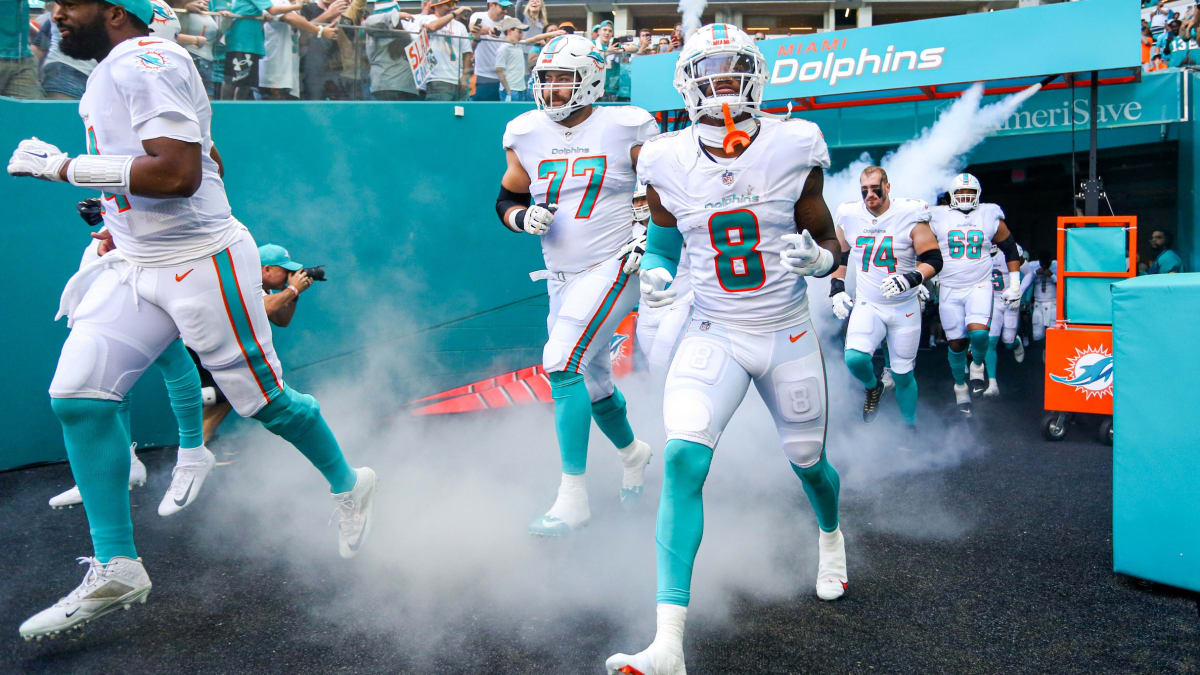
(993, 389)
(962, 396)
(886, 378)
(569, 512)
(657, 659)
(106, 587)
(137, 477)
(354, 513)
(977, 378)
(634, 460)
(1019, 351)
(831, 568)
(186, 480)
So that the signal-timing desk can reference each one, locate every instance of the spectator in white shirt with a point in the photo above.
(510, 63)
(450, 52)
(484, 27)
(1158, 18)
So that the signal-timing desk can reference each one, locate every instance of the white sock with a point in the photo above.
(828, 539)
(626, 453)
(572, 483)
(669, 632)
(190, 455)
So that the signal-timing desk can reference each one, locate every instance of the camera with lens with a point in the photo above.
(90, 210)
(315, 273)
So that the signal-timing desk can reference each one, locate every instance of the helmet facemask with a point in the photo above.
(712, 79)
(964, 199)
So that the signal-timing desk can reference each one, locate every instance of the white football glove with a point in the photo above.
(896, 284)
(635, 250)
(842, 304)
(1012, 295)
(804, 256)
(538, 218)
(654, 287)
(923, 296)
(38, 159)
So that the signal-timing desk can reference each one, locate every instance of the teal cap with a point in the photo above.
(274, 254)
(142, 9)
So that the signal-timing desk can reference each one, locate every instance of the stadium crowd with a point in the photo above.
(1169, 37)
(337, 49)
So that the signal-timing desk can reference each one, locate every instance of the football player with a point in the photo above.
(578, 160)
(893, 252)
(1042, 276)
(965, 230)
(659, 328)
(174, 272)
(744, 192)
(1005, 319)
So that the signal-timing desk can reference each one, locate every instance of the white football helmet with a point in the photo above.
(573, 54)
(965, 181)
(165, 24)
(641, 212)
(714, 57)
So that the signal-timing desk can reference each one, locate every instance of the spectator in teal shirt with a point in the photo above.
(1167, 261)
(245, 46)
(18, 69)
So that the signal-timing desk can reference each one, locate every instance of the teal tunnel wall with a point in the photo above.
(427, 289)
(396, 200)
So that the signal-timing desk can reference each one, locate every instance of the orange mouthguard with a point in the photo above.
(733, 136)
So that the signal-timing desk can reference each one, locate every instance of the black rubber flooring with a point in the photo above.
(983, 550)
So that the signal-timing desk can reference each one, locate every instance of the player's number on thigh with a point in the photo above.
(593, 168)
(885, 257)
(968, 244)
(997, 281)
(739, 263)
(800, 401)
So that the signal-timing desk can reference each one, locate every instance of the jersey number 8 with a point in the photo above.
(735, 237)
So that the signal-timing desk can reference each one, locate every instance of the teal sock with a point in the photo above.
(822, 485)
(183, 388)
(906, 395)
(958, 365)
(124, 418)
(1013, 344)
(610, 416)
(979, 345)
(98, 450)
(989, 358)
(572, 420)
(680, 518)
(861, 367)
(297, 419)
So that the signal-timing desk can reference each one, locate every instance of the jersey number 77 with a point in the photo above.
(591, 167)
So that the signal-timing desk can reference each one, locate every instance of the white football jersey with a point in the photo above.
(587, 171)
(280, 67)
(733, 214)
(966, 243)
(1045, 287)
(145, 79)
(881, 246)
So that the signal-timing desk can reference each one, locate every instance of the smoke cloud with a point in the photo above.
(691, 11)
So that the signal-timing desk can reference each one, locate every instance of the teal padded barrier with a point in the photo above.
(1093, 249)
(1156, 449)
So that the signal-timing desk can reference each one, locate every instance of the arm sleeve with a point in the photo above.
(663, 247)
(169, 125)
